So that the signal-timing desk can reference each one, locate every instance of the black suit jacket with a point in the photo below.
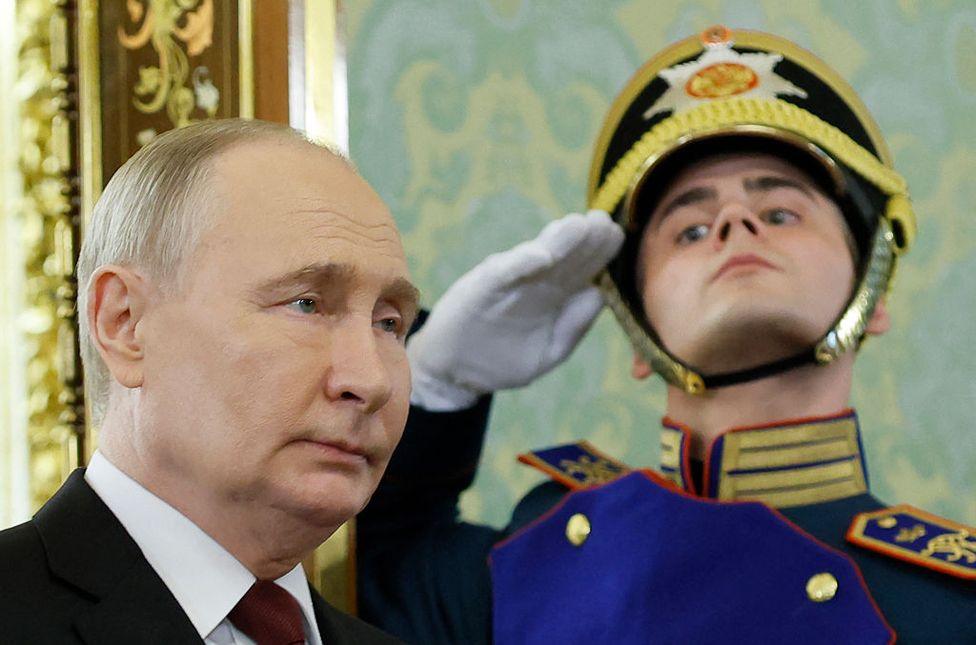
(74, 575)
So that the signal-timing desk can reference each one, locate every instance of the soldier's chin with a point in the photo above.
(732, 343)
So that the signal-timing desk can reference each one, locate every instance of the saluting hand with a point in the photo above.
(515, 316)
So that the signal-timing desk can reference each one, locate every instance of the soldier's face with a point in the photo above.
(744, 261)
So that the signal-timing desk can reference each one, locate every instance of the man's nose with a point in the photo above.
(358, 373)
(735, 219)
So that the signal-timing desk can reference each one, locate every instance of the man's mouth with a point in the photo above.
(743, 260)
(339, 450)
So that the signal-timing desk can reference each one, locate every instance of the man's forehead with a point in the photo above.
(267, 181)
(286, 206)
(242, 154)
(395, 283)
(271, 168)
(732, 165)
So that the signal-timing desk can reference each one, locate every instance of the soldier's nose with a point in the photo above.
(726, 228)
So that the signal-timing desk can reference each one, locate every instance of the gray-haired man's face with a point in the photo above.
(277, 375)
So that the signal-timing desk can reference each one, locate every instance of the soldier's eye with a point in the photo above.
(779, 217)
(692, 234)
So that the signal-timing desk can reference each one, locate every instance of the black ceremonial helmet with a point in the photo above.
(731, 90)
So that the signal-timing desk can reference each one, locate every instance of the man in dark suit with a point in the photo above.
(243, 320)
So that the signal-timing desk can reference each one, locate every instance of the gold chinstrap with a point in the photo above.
(671, 370)
(847, 332)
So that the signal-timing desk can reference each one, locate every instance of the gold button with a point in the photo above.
(577, 529)
(821, 587)
(888, 522)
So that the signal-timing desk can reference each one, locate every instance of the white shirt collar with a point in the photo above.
(204, 578)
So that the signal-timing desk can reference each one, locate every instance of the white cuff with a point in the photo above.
(435, 395)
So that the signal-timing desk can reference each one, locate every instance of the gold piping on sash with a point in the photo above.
(754, 483)
(671, 448)
(816, 495)
(795, 452)
(767, 438)
(807, 453)
(671, 440)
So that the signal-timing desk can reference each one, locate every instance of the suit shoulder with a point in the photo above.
(31, 603)
(18, 535)
(21, 552)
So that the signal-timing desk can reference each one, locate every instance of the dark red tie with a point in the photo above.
(269, 615)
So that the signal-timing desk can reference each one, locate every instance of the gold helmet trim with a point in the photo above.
(689, 47)
(716, 117)
(630, 220)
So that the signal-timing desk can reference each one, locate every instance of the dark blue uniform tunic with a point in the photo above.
(661, 558)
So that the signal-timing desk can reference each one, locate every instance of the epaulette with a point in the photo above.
(576, 465)
(912, 535)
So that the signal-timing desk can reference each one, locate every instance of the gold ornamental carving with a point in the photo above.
(170, 84)
(48, 213)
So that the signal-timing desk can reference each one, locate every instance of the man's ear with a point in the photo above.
(117, 299)
(880, 321)
(640, 370)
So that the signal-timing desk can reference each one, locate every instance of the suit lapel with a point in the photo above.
(328, 620)
(87, 547)
(327, 628)
(140, 609)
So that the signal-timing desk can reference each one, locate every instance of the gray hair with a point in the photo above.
(152, 214)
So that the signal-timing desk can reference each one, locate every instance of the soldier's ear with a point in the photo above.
(880, 321)
(640, 370)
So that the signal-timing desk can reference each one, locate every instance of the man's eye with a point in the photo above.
(389, 325)
(692, 234)
(304, 305)
(779, 217)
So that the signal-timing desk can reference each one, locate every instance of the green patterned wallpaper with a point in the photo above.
(474, 120)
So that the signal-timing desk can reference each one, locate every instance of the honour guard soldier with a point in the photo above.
(756, 224)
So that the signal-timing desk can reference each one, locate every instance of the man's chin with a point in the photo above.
(327, 500)
(734, 342)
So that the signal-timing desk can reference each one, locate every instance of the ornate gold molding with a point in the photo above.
(50, 209)
(165, 85)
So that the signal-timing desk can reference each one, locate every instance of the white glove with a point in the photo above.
(513, 317)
